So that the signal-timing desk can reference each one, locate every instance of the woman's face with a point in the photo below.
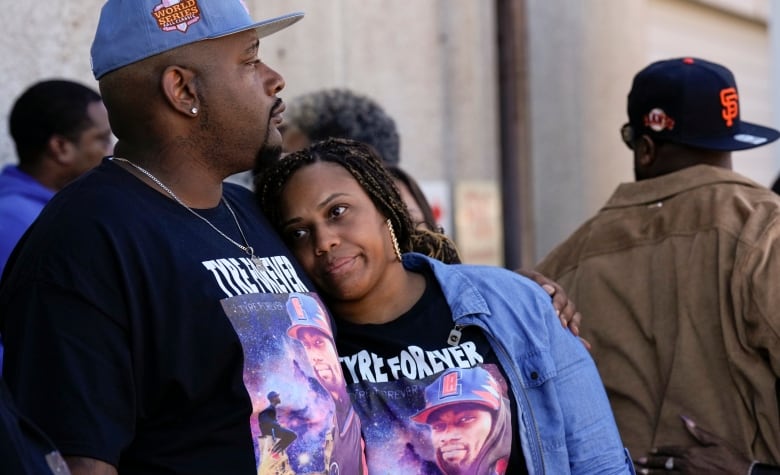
(336, 232)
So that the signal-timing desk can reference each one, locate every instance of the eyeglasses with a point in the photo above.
(627, 134)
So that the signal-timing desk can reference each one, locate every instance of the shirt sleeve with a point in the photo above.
(68, 366)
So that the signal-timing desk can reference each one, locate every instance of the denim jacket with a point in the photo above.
(566, 424)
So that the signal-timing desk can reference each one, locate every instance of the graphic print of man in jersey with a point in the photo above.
(309, 325)
(470, 422)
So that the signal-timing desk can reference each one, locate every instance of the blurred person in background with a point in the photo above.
(60, 130)
(342, 113)
(676, 277)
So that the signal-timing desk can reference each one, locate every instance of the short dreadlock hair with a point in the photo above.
(364, 164)
(341, 113)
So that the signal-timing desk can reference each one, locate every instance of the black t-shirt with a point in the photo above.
(138, 335)
(415, 390)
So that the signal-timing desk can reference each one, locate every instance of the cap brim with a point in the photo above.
(749, 136)
(266, 27)
(294, 329)
(422, 416)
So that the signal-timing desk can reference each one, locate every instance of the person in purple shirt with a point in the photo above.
(60, 130)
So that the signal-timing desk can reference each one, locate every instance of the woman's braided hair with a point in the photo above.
(364, 164)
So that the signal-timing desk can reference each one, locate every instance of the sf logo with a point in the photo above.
(730, 103)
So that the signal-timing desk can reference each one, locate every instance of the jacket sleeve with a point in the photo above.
(592, 441)
(753, 337)
(754, 286)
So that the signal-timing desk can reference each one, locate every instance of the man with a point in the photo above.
(270, 427)
(113, 307)
(676, 277)
(470, 422)
(309, 325)
(60, 130)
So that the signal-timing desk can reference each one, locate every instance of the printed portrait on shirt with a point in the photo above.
(288, 348)
(441, 411)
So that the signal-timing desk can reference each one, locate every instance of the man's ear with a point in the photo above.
(180, 89)
(644, 152)
(61, 149)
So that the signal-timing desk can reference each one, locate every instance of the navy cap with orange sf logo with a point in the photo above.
(692, 102)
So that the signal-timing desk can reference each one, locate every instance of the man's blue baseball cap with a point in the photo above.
(132, 30)
(459, 386)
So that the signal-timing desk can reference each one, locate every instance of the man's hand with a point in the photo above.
(713, 456)
(567, 312)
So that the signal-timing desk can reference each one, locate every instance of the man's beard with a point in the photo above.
(268, 154)
(266, 157)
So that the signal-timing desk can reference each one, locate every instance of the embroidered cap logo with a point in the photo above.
(450, 384)
(730, 102)
(658, 121)
(173, 15)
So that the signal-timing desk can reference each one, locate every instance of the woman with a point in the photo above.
(433, 352)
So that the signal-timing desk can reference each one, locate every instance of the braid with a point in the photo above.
(436, 245)
(269, 184)
(365, 166)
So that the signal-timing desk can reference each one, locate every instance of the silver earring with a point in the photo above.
(194, 111)
(396, 247)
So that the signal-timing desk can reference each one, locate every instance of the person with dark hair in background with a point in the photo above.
(419, 208)
(403, 318)
(342, 113)
(60, 130)
(677, 276)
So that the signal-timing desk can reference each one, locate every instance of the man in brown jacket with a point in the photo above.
(677, 277)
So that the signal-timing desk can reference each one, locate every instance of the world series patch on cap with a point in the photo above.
(692, 102)
(132, 30)
(460, 386)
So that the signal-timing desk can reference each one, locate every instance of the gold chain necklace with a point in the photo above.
(245, 247)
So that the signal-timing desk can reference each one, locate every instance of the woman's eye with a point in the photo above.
(337, 211)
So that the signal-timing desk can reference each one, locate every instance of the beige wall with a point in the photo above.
(42, 40)
(430, 63)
